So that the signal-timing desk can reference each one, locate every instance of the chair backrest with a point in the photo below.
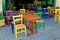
(22, 10)
(33, 7)
(40, 5)
(44, 9)
(57, 11)
(8, 12)
(31, 13)
(17, 19)
(52, 9)
(29, 7)
(11, 15)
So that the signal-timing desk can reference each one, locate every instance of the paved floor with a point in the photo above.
(51, 32)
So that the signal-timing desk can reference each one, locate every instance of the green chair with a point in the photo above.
(22, 10)
(26, 11)
(39, 9)
(39, 24)
(39, 14)
(25, 21)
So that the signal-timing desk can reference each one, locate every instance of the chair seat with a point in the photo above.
(18, 26)
(39, 21)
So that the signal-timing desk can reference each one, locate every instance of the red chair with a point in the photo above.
(29, 7)
(8, 17)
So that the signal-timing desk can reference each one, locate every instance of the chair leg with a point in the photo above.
(25, 31)
(58, 21)
(36, 27)
(55, 18)
(43, 26)
(15, 33)
(8, 22)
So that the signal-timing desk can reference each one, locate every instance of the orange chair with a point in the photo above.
(31, 13)
(18, 25)
(52, 11)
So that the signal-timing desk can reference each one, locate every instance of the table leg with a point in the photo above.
(31, 24)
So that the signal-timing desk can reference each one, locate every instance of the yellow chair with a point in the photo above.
(58, 18)
(57, 13)
(18, 25)
(22, 10)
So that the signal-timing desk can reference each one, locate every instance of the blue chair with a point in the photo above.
(12, 26)
(11, 15)
(15, 13)
(44, 10)
(33, 7)
(4, 12)
(47, 15)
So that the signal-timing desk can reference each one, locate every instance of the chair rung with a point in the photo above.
(21, 32)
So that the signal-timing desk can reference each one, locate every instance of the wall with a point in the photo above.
(57, 3)
(0, 5)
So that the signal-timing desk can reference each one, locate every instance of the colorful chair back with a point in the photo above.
(11, 15)
(39, 9)
(16, 13)
(22, 10)
(40, 5)
(57, 12)
(8, 12)
(18, 18)
(52, 11)
(47, 15)
(31, 13)
(44, 10)
(29, 7)
(33, 7)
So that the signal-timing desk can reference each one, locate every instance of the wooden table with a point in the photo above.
(31, 19)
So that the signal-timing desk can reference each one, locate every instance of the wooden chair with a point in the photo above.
(39, 14)
(31, 13)
(57, 13)
(8, 20)
(29, 7)
(52, 11)
(58, 18)
(39, 24)
(22, 10)
(18, 24)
